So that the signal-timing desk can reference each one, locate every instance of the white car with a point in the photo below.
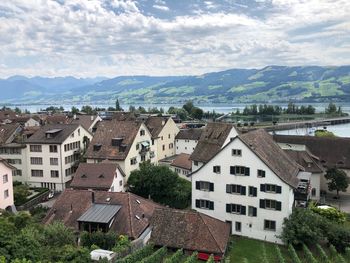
(98, 254)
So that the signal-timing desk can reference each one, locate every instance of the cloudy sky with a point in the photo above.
(169, 37)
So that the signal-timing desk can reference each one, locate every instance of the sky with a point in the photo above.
(87, 38)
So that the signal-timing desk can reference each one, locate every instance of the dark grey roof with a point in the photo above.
(189, 134)
(61, 131)
(100, 213)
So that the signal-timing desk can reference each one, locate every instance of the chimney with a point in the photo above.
(92, 117)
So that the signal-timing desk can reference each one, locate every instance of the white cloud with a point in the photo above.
(105, 37)
(161, 7)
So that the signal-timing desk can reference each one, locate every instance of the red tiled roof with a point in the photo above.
(182, 161)
(131, 220)
(189, 230)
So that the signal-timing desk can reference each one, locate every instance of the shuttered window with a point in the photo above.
(253, 191)
(235, 189)
(240, 170)
(236, 209)
(270, 188)
(270, 204)
(204, 204)
(252, 211)
(205, 186)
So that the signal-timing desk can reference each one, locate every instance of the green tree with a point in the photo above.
(117, 106)
(338, 180)
(303, 226)
(331, 108)
(197, 113)
(18, 110)
(87, 109)
(161, 184)
(20, 193)
(57, 235)
(188, 106)
(74, 110)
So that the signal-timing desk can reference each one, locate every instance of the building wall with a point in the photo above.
(181, 172)
(250, 226)
(118, 182)
(316, 184)
(65, 170)
(167, 140)
(31, 123)
(18, 160)
(6, 200)
(185, 146)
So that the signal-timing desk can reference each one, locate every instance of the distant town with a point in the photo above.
(149, 185)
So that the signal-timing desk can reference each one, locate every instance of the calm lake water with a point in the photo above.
(342, 130)
(220, 108)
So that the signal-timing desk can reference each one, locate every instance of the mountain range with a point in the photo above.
(269, 84)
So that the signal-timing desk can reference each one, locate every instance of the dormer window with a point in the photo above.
(142, 132)
(97, 147)
(117, 141)
(101, 176)
(236, 152)
(52, 133)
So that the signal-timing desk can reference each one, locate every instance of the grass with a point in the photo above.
(251, 249)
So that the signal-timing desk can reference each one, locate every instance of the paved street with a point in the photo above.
(343, 203)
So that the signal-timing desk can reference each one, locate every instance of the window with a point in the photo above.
(204, 204)
(78, 132)
(17, 172)
(142, 132)
(137, 147)
(143, 158)
(204, 186)
(195, 163)
(161, 138)
(313, 191)
(238, 226)
(37, 173)
(151, 154)
(120, 183)
(133, 161)
(235, 209)
(171, 145)
(54, 174)
(178, 170)
(36, 160)
(235, 189)
(168, 136)
(270, 204)
(10, 151)
(6, 193)
(217, 169)
(14, 161)
(240, 170)
(252, 211)
(53, 161)
(253, 191)
(270, 188)
(236, 152)
(72, 135)
(5, 178)
(152, 141)
(35, 148)
(270, 225)
(53, 148)
(69, 171)
(261, 173)
(163, 147)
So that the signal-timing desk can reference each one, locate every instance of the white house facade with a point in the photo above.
(240, 187)
(53, 155)
(6, 188)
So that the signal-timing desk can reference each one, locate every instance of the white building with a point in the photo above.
(213, 138)
(163, 132)
(6, 188)
(127, 143)
(53, 154)
(249, 183)
(186, 140)
(179, 163)
(99, 176)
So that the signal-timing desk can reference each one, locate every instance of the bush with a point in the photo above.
(58, 235)
(211, 259)
(280, 257)
(176, 257)
(293, 254)
(303, 226)
(338, 236)
(331, 214)
(100, 239)
(322, 254)
(156, 256)
(347, 253)
(137, 255)
(192, 258)
(310, 258)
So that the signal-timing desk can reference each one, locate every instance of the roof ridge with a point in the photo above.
(216, 242)
(130, 216)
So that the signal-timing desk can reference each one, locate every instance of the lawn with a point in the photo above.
(251, 249)
(245, 250)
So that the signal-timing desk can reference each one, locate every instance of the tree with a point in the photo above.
(18, 110)
(331, 108)
(74, 110)
(197, 113)
(58, 235)
(20, 193)
(117, 106)
(188, 106)
(338, 180)
(303, 226)
(87, 109)
(160, 184)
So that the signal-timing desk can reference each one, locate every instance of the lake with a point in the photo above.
(220, 108)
